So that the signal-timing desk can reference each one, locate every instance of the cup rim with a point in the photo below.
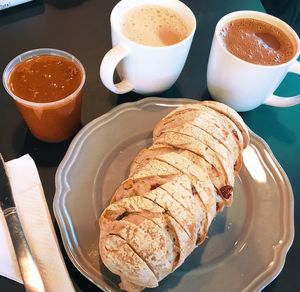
(40, 52)
(263, 17)
(114, 25)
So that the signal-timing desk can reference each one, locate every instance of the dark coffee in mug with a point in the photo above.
(257, 42)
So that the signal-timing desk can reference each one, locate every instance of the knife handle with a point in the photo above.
(30, 273)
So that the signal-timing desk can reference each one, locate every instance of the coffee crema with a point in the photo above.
(257, 42)
(154, 25)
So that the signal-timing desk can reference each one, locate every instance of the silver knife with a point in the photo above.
(29, 271)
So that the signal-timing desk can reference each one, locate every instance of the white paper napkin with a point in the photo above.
(4, 4)
(38, 228)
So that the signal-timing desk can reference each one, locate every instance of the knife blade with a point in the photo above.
(30, 274)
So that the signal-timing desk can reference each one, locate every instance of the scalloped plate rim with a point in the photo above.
(260, 282)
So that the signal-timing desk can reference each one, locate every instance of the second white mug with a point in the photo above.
(243, 85)
(142, 68)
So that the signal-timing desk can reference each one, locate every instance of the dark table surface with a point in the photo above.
(82, 28)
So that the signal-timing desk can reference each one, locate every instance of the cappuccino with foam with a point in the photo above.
(154, 25)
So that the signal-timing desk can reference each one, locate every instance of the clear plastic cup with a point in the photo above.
(50, 121)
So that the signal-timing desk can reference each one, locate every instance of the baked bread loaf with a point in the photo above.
(174, 190)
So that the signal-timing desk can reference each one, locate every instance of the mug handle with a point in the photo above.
(107, 69)
(279, 101)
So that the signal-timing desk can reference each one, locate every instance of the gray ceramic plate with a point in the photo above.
(247, 243)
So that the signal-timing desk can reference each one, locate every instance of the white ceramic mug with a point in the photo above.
(144, 69)
(243, 85)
